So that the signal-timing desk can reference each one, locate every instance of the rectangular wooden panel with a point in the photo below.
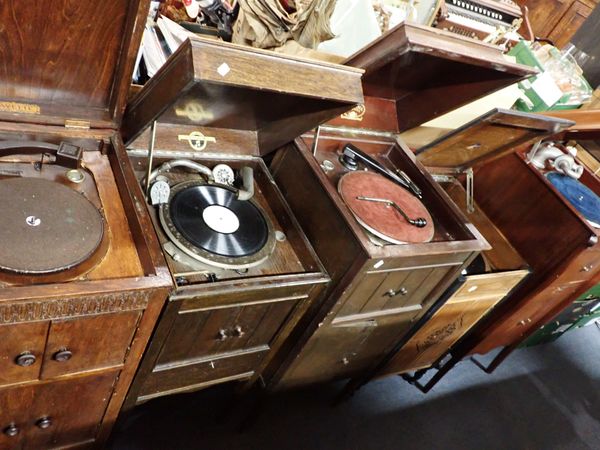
(67, 412)
(470, 303)
(203, 333)
(398, 289)
(346, 348)
(192, 375)
(21, 349)
(15, 405)
(93, 342)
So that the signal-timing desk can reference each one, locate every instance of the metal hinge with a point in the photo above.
(79, 124)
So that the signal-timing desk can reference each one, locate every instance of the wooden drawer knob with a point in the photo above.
(25, 359)
(44, 422)
(11, 430)
(62, 355)
(237, 331)
(393, 293)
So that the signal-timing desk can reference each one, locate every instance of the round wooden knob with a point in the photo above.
(44, 423)
(62, 355)
(11, 430)
(238, 331)
(25, 359)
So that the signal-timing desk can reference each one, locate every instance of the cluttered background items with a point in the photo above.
(330, 30)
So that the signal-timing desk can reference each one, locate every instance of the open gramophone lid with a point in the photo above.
(579, 195)
(380, 219)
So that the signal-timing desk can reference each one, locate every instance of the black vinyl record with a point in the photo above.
(212, 218)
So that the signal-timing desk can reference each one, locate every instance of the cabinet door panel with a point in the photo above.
(82, 344)
(569, 24)
(67, 412)
(21, 351)
(202, 333)
(15, 405)
(544, 15)
(345, 348)
(393, 290)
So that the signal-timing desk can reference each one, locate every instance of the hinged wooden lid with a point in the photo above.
(68, 59)
(489, 137)
(224, 86)
(428, 72)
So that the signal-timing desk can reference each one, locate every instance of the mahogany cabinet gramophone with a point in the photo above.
(81, 275)
(245, 272)
(554, 237)
(521, 204)
(380, 292)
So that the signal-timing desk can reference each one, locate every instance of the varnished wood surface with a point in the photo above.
(429, 71)
(71, 67)
(502, 255)
(558, 274)
(16, 340)
(74, 407)
(357, 323)
(278, 108)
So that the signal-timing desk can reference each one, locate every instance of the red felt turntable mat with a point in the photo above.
(45, 227)
(383, 220)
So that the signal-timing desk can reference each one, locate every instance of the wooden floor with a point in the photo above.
(545, 397)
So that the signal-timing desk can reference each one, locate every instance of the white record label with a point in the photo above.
(220, 219)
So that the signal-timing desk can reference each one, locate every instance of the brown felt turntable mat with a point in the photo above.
(380, 219)
(45, 227)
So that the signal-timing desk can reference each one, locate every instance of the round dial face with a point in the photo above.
(223, 174)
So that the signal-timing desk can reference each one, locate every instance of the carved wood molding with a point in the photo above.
(49, 309)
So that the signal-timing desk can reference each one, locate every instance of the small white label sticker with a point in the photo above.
(223, 69)
(378, 264)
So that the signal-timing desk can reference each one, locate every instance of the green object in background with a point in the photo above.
(533, 94)
(583, 311)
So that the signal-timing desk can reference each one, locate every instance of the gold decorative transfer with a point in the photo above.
(196, 140)
(357, 113)
(22, 108)
(194, 111)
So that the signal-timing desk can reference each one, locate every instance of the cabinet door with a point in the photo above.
(569, 23)
(347, 347)
(15, 405)
(68, 411)
(544, 15)
(200, 333)
(21, 350)
(82, 344)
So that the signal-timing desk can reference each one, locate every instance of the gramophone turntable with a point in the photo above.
(245, 273)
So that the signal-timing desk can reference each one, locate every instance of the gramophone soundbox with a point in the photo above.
(82, 279)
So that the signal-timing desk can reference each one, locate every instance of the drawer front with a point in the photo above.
(82, 344)
(198, 333)
(398, 289)
(345, 348)
(168, 379)
(54, 414)
(21, 351)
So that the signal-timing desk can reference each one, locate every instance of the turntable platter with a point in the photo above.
(210, 224)
(46, 227)
(579, 195)
(380, 219)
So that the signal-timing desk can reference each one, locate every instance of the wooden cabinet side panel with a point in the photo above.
(569, 23)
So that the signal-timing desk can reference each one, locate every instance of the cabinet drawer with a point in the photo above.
(54, 414)
(196, 374)
(21, 350)
(396, 289)
(82, 344)
(199, 333)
